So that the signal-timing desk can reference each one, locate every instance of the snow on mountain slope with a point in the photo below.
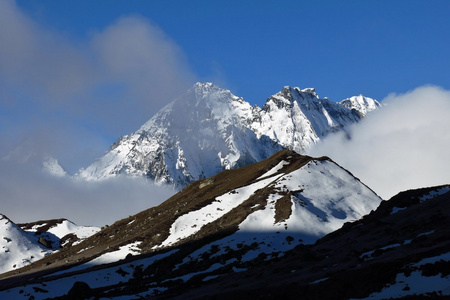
(22, 244)
(60, 232)
(196, 136)
(114, 275)
(17, 247)
(287, 192)
(404, 255)
(208, 129)
(191, 223)
(398, 250)
(321, 195)
(297, 119)
(301, 206)
(67, 227)
(361, 104)
(215, 225)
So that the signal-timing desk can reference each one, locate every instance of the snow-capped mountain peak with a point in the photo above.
(208, 129)
(361, 104)
(288, 95)
(197, 135)
(203, 89)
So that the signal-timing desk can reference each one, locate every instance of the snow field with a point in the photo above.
(190, 223)
(67, 227)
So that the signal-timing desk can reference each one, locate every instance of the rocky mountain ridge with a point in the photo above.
(398, 251)
(260, 231)
(208, 129)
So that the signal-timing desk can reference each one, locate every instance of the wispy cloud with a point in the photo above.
(69, 99)
(29, 194)
(102, 87)
(402, 146)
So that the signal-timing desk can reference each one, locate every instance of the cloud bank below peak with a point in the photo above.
(30, 193)
(401, 146)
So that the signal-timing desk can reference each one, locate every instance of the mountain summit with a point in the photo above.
(208, 129)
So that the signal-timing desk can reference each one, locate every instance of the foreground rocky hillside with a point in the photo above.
(225, 223)
(401, 250)
(398, 251)
(208, 130)
(288, 227)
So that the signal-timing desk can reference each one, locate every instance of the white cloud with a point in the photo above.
(28, 194)
(105, 86)
(136, 52)
(70, 99)
(39, 61)
(402, 146)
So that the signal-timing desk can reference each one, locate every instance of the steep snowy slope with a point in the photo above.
(361, 104)
(399, 251)
(59, 232)
(18, 248)
(196, 136)
(22, 244)
(297, 118)
(208, 130)
(218, 224)
(306, 203)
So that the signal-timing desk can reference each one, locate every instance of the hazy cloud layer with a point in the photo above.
(402, 146)
(108, 85)
(30, 194)
(38, 63)
(71, 99)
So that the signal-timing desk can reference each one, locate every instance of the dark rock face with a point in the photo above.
(80, 290)
(44, 242)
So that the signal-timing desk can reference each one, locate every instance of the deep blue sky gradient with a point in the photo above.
(254, 48)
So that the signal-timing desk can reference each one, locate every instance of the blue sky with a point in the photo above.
(341, 48)
(95, 70)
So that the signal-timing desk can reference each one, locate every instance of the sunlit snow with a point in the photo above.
(192, 222)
